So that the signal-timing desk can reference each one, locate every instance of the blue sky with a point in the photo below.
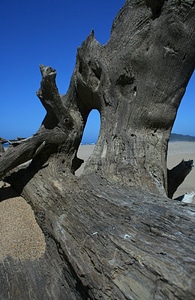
(48, 32)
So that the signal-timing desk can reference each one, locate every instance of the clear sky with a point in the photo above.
(48, 32)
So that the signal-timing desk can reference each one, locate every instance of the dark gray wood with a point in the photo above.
(112, 233)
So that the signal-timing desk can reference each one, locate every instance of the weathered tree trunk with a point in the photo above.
(113, 233)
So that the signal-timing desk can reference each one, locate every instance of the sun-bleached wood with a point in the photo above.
(111, 233)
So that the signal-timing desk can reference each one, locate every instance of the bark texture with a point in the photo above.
(112, 233)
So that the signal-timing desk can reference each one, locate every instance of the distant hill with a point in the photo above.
(181, 138)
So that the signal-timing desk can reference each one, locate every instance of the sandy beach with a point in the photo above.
(21, 238)
(176, 152)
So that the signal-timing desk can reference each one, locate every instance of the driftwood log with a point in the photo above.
(112, 233)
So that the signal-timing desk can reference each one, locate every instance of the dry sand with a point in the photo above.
(20, 236)
(176, 152)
